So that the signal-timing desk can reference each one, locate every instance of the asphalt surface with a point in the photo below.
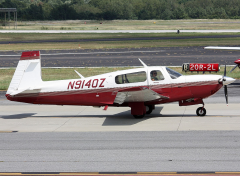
(189, 151)
(163, 56)
(114, 141)
(182, 151)
(121, 39)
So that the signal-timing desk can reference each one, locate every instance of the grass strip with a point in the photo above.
(49, 74)
(187, 24)
(151, 42)
(78, 36)
(122, 44)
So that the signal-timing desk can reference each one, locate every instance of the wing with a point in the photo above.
(137, 94)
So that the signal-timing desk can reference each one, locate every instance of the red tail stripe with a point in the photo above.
(30, 55)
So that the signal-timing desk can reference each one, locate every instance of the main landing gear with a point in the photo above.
(201, 111)
(138, 109)
(149, 109)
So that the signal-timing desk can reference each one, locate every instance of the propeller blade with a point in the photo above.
(225, 71)
(223, 79)
(226, 93)
(233, 68)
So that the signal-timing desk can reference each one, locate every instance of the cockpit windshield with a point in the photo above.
(173, 74)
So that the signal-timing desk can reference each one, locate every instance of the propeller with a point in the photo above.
(225, 81)
(225, 86)
(238, 64)
(226, 93)
(233, 68)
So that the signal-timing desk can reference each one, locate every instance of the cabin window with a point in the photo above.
(156, 75)
(131, 78)
(173, 74)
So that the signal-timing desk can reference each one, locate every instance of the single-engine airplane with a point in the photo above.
(140, 89)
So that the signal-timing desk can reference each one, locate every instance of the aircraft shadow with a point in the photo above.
(17, 116)
(118, 119)
(121, 119)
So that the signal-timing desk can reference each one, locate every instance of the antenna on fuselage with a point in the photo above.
(81, 76)
(142, 63)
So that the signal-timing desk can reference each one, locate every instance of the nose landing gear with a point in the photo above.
(201, 111)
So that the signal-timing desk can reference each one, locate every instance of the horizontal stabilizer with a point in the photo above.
(16, 92)
(29, 90)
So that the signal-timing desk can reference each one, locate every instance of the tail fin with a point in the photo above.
(27, 75)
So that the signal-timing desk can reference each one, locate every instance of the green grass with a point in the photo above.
(78, 36)
(5, 78)
(68, 73)
(48, 45)
(189, 24)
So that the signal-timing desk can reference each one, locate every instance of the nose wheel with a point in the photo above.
(201, 111)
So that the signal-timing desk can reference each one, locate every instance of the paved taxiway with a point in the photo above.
(171, 117)
(191, 151)
(40, 138)
(169, 56)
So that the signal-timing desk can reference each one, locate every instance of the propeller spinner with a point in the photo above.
(225, 81)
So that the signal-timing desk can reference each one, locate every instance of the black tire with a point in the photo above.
(201, 111)
(138, 116)
(149, 109)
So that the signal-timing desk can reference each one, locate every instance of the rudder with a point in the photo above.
(27, 74)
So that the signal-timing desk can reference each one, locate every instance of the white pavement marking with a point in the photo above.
(119, 31)
(221, 48)
(168, 117)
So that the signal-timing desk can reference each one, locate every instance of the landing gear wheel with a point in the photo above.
(201, 111)
(149, 109)
(138, 116)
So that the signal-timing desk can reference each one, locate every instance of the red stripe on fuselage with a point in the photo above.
(99, 97)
